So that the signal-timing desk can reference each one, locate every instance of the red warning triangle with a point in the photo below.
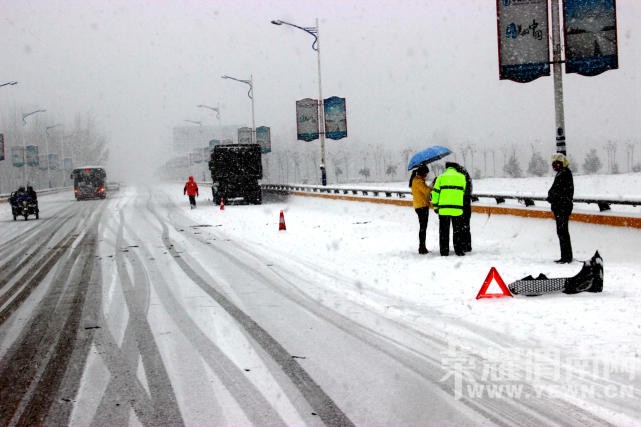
(493, 275)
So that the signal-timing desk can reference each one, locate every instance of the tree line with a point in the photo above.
(81, 141)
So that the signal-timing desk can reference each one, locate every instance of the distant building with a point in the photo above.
(190, 138)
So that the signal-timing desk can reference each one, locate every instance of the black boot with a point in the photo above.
(596, 264)
(581, 282)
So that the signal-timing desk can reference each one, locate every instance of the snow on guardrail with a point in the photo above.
(597, 210)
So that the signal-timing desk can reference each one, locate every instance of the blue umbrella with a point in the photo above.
(428, 155)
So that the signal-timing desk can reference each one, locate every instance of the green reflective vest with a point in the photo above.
(447, 195)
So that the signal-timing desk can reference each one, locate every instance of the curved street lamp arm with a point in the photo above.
(25, 115)
(313, 31)
(250, 92)
(217, 110)
(51, 127)
(8, 83)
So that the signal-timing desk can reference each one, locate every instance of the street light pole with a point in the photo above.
(24, 143)
(250, 94)
(47, 147)
(315, 32)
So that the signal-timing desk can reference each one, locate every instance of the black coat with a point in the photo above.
(561, 193)
(467, 196)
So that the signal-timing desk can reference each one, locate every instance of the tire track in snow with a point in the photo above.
(161, 406)
(322, 404)
(34, 366)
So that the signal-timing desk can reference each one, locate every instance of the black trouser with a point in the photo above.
(563, 231)
(423, 215)
(444, 234)
(466, 235)
(192, 200)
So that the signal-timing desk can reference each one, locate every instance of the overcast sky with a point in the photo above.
(413, 72)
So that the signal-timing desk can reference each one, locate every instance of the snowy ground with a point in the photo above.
(373, 250)
(391, 336)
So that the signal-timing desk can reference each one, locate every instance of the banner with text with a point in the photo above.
(264, 138)
(335, 118)
(590, 36)
(17, 156)
(307, 119)
(523, 29)
(68, 163)
(32, 155)
(245, 135)
(53, 162)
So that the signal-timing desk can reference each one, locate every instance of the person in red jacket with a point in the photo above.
(191, 189)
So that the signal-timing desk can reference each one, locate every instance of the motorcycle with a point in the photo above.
(23, 204)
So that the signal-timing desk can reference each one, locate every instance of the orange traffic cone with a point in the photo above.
(281, 223)
(222, 204)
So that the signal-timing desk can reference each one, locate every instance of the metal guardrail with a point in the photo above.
(604, 204)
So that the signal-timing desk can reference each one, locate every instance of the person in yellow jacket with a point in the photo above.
(421, 201)
(447, 199)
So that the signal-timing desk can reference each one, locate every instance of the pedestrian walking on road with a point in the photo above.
(191, 190)
(447, 199)
(421, 202)
(560, 197)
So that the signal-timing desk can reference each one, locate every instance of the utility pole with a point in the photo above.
(558, 79)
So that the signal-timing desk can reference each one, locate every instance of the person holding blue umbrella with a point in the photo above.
(421, 202)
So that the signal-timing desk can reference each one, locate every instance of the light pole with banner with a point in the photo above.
(250, 94)
(524, 37)
(24, 143)
(47, 149)
(190, 154)
(315, 32)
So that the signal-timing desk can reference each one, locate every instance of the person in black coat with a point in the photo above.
(560, 198)
(466, 235)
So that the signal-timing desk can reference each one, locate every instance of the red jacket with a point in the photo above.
(191, 188)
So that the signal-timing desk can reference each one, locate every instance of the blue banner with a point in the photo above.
(335, 118)
(53, 162)
(263, 137)
(523, 29)
(17, 156)
(590, 36)
(32, 155)
(307, 119)
(244, 135)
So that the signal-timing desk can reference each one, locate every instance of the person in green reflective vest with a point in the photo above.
(447, 199)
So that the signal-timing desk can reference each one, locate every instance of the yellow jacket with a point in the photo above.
(420, 192)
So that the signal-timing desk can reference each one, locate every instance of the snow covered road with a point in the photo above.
(210, 317)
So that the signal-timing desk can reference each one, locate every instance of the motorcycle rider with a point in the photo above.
(17, 195)
(31, 192)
